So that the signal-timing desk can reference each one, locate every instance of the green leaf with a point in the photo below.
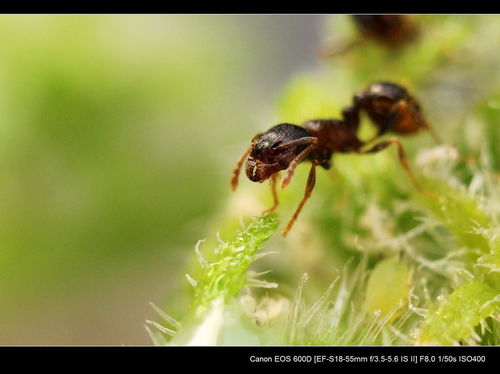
(455, 317)
(227, 274)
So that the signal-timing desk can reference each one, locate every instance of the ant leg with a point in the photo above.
(375, 137)
(309, 187)
(237, 169)
(275, 194)
(311, 142)
(403, 159)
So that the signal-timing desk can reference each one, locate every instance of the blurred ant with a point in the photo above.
(284, 146)
(392, 31)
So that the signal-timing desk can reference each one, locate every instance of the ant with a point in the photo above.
(285, 145)
(392, 31)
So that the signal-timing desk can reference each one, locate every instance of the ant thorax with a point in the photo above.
(333, 136)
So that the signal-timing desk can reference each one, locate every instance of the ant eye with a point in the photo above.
(276, 145)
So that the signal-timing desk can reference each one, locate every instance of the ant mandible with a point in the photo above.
(284, 146)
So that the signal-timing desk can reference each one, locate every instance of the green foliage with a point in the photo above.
(227, 274)
(387, 289)
(454, 319)
(220, 281)
(460, 214)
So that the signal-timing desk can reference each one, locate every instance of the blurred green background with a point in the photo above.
(117, 137)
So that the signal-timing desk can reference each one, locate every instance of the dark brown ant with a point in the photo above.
(391, 108)
(284, 146)
(392, 31)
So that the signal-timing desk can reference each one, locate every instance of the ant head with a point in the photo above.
(270, 152)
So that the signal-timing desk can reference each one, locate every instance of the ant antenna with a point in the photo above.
(433, 134)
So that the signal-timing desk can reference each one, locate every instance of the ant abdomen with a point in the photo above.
(391, 108)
